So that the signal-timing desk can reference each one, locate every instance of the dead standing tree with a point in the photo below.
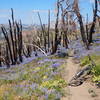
(0, 56)
(7, 57)
(80, 20)
(19, 39)
(93, 23)
(67, 16)
(8, 43)
(55, 45)
(48, 29)
(89, 32)
(13, 37)
(43, 32)
(64, 26)
(87, 28)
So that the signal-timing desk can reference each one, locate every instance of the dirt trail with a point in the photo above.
(80, 92)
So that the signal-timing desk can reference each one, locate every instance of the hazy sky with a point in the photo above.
(23, 9)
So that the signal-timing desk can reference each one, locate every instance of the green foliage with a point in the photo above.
(96, 79)
(95, 70)
(96, 73)
(85, 61)
(54, 84)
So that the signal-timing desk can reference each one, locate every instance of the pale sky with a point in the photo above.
(23, 9)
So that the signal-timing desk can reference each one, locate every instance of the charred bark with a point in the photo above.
(7, 60)
(64, 29)
(8, 43)
(93, 23)
(56, 30)
(12, 41)
(87, 32)
(43, 31)
(20, 44)
(48, 29)
(79, 16)
(0, 55)
(15, 35)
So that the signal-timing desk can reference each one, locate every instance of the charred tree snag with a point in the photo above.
(0, 56)
(87, 32)
(48, 29)
(13, 37)
(20, 44)
(82, 30)
(64, 29)
(52, 38)
(43, 31)
(79, 16)
(7, 57)
(8, 43)
(56, 30)
(45, 40)
(28, 51)
(93, 23)
(12, 41)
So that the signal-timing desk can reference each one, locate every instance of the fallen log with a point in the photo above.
(80, 76)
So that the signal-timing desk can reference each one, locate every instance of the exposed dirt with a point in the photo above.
(86, 91)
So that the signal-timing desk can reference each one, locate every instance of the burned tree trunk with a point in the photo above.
(79, 16)
(8, 43)
(52, 38)
(93, 23)
(56, 30)
(64, 29)
(82, 28)
(87, 32)
(12, 41)
(45, 40)
(28, 51)
(48, 29)
(82, 31)
(0, 55)
(7, 57)
(15, 36)
(43, 31)
(20, 44)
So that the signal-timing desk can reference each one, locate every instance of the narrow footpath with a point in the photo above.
(80, 92)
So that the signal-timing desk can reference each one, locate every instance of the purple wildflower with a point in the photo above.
(55, 65)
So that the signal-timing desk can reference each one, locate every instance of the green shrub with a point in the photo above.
(95, 70)
(96, 73)
(85, 61)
